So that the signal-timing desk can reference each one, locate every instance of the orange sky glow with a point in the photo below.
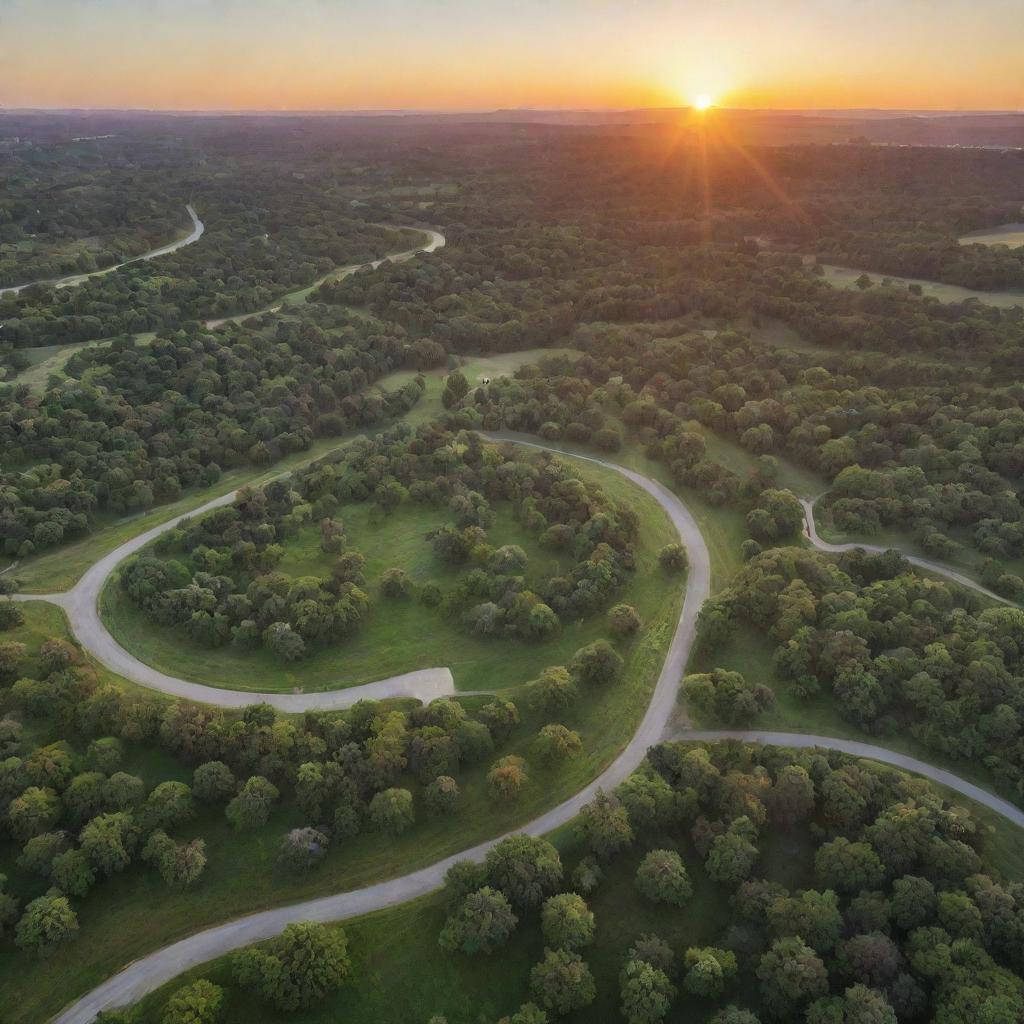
(458, 54)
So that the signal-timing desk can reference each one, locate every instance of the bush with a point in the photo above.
(507, 777)
(395, 583)
(556, 743)
(673, 558)
(624, 620)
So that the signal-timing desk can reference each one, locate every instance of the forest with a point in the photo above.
(318, 419)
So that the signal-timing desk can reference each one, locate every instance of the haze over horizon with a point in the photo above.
(458, 55)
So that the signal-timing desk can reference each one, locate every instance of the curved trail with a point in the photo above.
(72, 280)
(81, 605)
(811, 533)
(159, 967)
(858, 749)
(152, 971)
(435, 240)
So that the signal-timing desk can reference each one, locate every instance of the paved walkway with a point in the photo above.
(811, 533)
(149, 973)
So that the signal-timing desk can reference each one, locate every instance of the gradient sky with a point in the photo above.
(481, 54)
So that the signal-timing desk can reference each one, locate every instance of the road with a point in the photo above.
(811, 533)
(76, 279)
(150, 972)
(435, 240)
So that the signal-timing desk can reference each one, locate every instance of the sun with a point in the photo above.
(702, 101)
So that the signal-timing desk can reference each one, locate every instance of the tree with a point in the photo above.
(527, 869)
(297, 969)
(251, 808)
(553, 690)
(391, 811)
(442, 795)
(624, 620)
(598, 663)
(734, 1015)
(562, 982)
(8, 909)
(848, 867)
(662, 878)
(732, 855)
(727, 696)
(604, 825)
(528, 1013)
(198, 1003)
(647, 993)
(109, 841)
(507, 777)
(556, 743)
(303, 848)
(858, 1005)
(72, 873)
(168, 805)
(708, 970)
(32, 813)
(792, 797)
(47, 922)
(482, 923)
(791, 975)
(673, 558)
(39, 852)
(213, 782)
(567, 922)
(179, 863)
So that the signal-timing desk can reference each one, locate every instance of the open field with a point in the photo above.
(400, 636)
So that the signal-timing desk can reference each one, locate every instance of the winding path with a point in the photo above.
(81, 605)
(161, 966)
(811, 533)
(72, 280)
(152, 971)
(435, 240)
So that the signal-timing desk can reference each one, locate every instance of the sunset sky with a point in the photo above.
(482, 54)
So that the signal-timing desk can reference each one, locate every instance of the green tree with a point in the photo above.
(527, 869)
(46, 923)
(198, 1003)
(562, 982)
(708, 971)
(298, 968)
(251, 808)
(662, 878)
(483, 922)
(442, 795)
(604, 825)
(791, 975)
(507, 777)
(391, 811)
(597, 663)
(566, 921)
(847, 866)
(647, 993)
(213, 782)
(673, 558)
(109, 841)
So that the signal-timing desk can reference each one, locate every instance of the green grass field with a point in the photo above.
(403, 635)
